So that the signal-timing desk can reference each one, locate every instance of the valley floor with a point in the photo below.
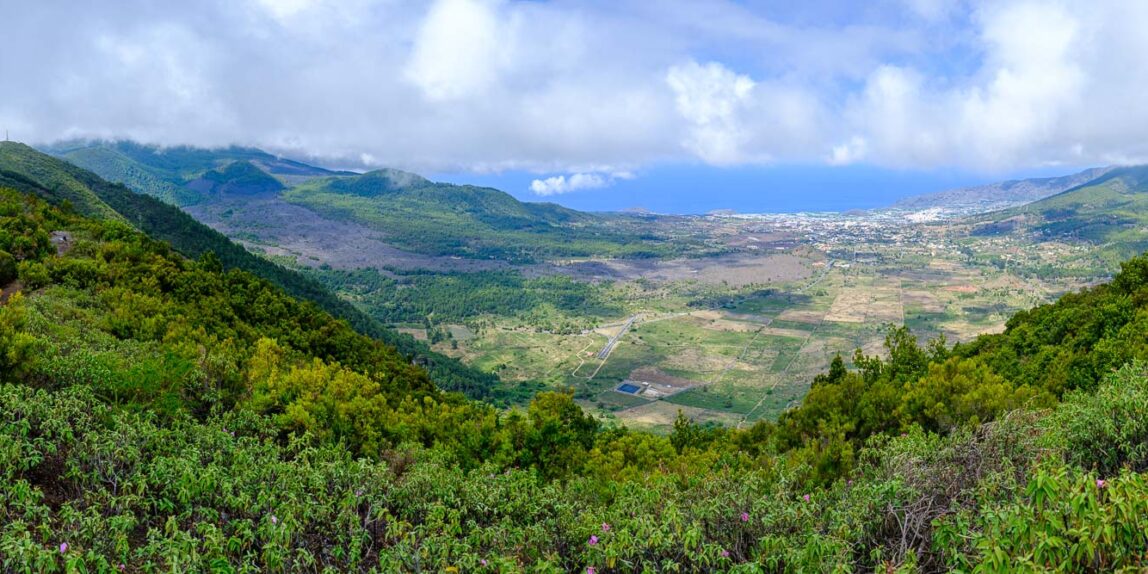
(730, 339)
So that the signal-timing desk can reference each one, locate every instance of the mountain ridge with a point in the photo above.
(193, 239)
(1001, 195)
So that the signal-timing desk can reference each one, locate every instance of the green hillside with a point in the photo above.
(163, 414)
(193, 239)
(183, 175)
(411, 212)
(56, 181)
(479, 222)
(236, 178)
(1111, 211)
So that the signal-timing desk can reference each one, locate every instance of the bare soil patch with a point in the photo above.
(281, 228)
(653, 375)
(801, 316)
(960, 288)
(418, 334)
(736, 270)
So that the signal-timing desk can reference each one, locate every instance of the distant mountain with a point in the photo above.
(422, 216)
(406, 210)
(185, 175)
(25, 169)
(1110, 211)
(985, 198)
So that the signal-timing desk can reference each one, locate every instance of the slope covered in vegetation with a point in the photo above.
(468, 221)
(37, 173)
(1108, 211)
(170, 173)
(162, 413)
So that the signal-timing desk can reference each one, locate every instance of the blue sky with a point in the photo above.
(672, 105)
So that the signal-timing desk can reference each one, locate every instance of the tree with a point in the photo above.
(7, 268)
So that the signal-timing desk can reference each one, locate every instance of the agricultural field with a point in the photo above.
(731, 350)
(728, 339)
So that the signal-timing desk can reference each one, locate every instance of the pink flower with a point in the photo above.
(274, 519)
(745, 517)
(591, 570)
(483, 561)
(806, 497)
(1101, 483)
(725, 553)
(605, 527)
(122, 567)
(63, 547)
(593, 540)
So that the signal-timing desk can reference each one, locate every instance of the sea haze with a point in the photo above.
(691, 189)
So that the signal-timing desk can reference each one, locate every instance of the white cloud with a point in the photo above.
(1034, 82)
(849, 152)
(569, 87)
(456, 52)
(560, 184)
(711, 98)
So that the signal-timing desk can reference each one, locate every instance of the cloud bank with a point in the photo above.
(584, 88)
(560, 184)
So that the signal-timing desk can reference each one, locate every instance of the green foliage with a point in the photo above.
(29, 171)
(170, 414)
(412, 297)
(1067, 521)
(36, 174)
(1107, 430)
(1073, 343)
(961, 392)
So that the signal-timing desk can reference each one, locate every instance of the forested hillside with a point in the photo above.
(1108, 212)
(37, 173)
(177, 174)
(161, 413)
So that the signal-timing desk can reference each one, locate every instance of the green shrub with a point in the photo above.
(1105, 431)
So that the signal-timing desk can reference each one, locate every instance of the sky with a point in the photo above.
(672, 105)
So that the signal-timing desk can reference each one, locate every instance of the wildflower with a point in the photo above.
(483, 561)
(358, 492)
(806, 497)
(745, 517)
(591, 570)
(725, 553)
(274, 519)
(849, 482)
(63, 547)
(605, 527)
(1101, 483)
(593, 540)
(121, 567)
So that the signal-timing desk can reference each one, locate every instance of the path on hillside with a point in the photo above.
(8, 290)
